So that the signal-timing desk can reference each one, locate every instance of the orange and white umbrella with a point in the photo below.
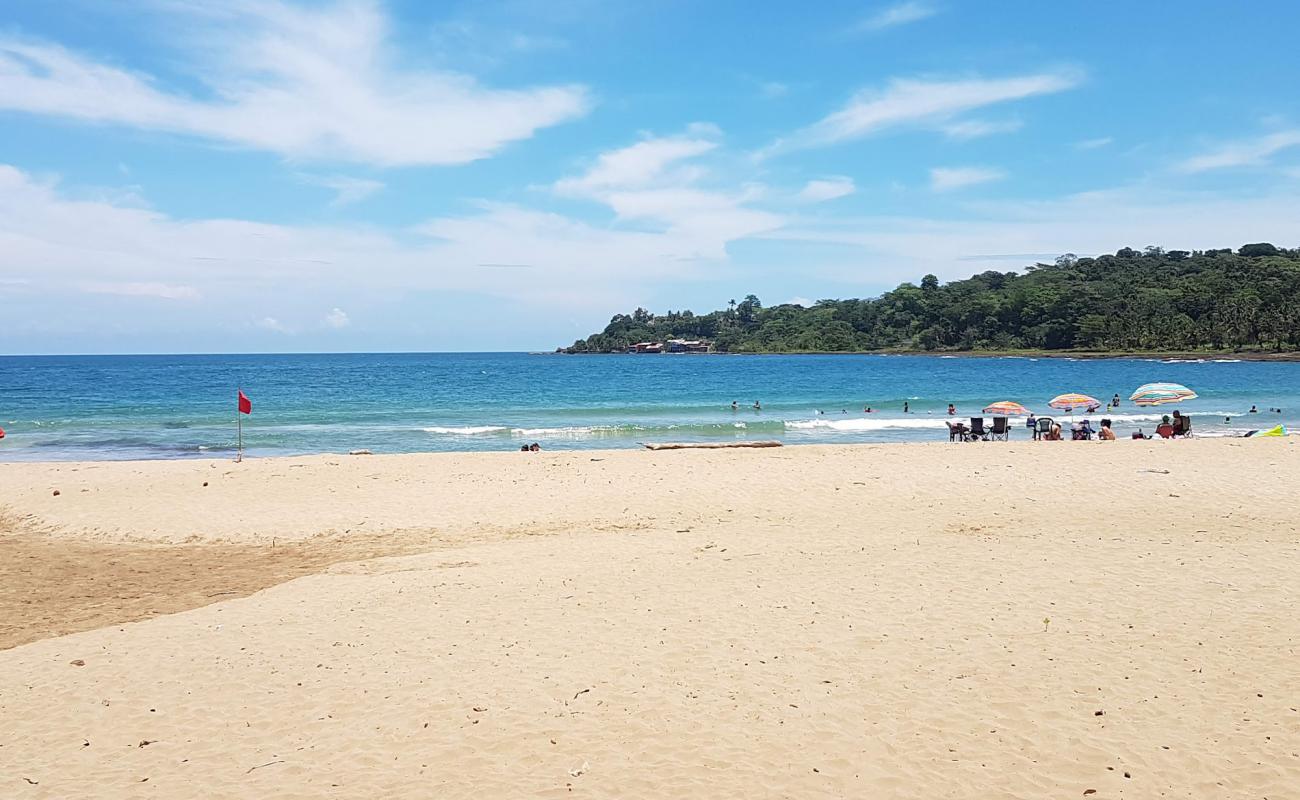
(1006, 408)
(1070, 402)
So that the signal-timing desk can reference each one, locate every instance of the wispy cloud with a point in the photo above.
(140, 289)
(347, 190)
(976, 128)
(946, 179)
(284, 275)
(1244, 152)
(642, 164)
(274, 325)
(773, 89)
(337, 319)
(652, 182)
(1025, 232)
(920, 102)
(1093, 144)
(895, 15)
(821, 190)
(465, 42)
(301, 82)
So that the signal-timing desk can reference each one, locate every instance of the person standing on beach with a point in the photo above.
(1032, 424)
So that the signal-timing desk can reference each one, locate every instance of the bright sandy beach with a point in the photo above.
(1025, 620)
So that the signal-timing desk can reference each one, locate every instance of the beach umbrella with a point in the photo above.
(1157, 394)
(1069, 402)
(1006, 408)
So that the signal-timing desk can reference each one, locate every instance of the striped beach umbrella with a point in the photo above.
(1006, 408)
(1157, 394)
(1069, 402)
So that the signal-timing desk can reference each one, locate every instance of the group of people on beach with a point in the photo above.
(1078, 430)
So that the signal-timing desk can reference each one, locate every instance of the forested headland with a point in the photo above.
(1154, 300)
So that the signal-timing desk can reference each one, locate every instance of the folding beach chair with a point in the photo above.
(1184, 427)
(977, 430)
(1001, 429)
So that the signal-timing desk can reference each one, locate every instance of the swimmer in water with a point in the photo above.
(757, 406)
(906, 408)
(952, 410)
(734, 405)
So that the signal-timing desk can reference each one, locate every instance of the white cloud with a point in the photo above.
(63, 246)
(1093, 144)
(801, 301)
(920, 102)
(946, 179)
(337, 319)
(650, 182)
(818, 191)
(975, 128)
(301, 82)
(895, 15)
(773, 89)
(140, 289)
(1242, 153)
(347, 190)
(1093, 222)
(274, 325)
(638, 165)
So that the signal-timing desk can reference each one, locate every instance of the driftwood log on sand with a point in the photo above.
(707, 445)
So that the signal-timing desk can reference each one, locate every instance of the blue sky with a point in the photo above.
(402, 175)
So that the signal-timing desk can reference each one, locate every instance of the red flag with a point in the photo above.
(245, 405)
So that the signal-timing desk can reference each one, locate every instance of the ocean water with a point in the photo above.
(119, 407)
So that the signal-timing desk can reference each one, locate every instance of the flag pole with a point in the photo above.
(239, 426)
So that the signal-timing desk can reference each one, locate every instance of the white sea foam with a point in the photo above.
(468, 430)
(863, 424)
(577, 431)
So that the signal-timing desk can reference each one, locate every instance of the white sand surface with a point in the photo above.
(1024, 620)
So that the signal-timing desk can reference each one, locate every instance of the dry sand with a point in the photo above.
(1023, 620)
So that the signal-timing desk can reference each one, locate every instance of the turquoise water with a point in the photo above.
(112, 407)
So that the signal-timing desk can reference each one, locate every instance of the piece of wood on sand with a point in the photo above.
(707, 445)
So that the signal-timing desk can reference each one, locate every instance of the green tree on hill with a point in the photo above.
(1153, 299)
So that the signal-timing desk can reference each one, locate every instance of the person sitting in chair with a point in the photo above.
(1106, 434)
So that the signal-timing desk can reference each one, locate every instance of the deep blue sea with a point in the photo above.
(118, 407)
